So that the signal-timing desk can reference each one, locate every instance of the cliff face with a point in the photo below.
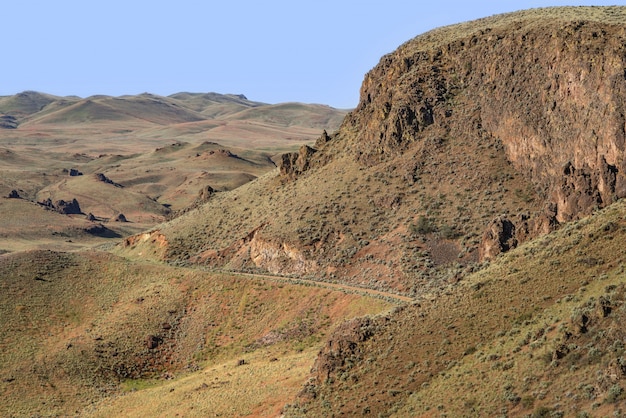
(551, 91)
(467, 141)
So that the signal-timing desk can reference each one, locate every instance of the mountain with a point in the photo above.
(454, 248)
(467, 141)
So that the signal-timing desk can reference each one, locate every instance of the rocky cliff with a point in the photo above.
(467, 141)
(550, 90)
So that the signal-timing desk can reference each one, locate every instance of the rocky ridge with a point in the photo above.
(491, 133)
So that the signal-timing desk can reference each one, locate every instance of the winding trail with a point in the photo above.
(335, 286)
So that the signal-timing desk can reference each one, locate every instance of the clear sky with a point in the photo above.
(312, 51)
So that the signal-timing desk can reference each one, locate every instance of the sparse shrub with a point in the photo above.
(527, 402)
(423, 226)
(448, 232)
(614, 394)
(541, 412)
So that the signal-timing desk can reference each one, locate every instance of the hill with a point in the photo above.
(84, 327)
(481, 178)
(145, 156)
(466, 142)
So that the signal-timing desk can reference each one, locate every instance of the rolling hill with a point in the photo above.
(145, 156)
(453, 248)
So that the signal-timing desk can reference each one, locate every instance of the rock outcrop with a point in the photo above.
(68, 208)
(293, 164)
(72, 172)
(205, 194)
(62, 206)
(104, 179)
(120, 217)
(13, 194)
(8, 122)
(550, 91)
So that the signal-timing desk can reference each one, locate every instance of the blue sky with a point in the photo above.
(272, 51)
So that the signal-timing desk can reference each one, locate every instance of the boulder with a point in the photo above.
(101, 177)
(293, 164)
(499, 237)
(120, 218)
(67, 208)
(205, 193)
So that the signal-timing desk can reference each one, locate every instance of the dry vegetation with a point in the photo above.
(158, 154)
(397, 201)
(536, 332)
(78, 327)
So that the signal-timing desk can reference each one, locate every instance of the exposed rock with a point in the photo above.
(560, 123)
(101, 177)
(323, 139)
(223, 153)
(47, 204)
(343, 346)
(499, 237)
(8, 122)
(293, 164)
(13, 194)
(205, 194)
(68, 208)
(153, 341)
(74, 172)
(120, 218)
(91, 217)
(255, 251)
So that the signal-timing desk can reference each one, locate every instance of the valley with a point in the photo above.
(453, 246)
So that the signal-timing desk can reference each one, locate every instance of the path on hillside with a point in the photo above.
(309, 282)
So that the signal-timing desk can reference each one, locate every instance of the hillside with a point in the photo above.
(146, 157)
(537, 332)
(466, 142)
(453, 248)
(84, 327)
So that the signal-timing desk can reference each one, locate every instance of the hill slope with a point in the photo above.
(466, 142)
(144, 156)
(482, 173)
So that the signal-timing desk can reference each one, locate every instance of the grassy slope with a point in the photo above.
(506, 340)
(75, 327)
(157, 147)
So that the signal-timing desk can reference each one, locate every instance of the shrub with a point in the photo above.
(423, 226)
(614, 394)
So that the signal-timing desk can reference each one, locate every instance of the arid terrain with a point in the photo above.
(146, 157)
(453, 246)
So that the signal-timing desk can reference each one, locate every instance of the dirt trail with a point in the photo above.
(336, 286)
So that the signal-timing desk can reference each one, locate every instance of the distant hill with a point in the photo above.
(32, 109)
(25, 103)
(215, 105)
(163, 152)
(146, 108)
(453, 247)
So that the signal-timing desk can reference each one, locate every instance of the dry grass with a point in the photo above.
(76, 328)
(612, 15)
(494, 343)
(261, 388)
